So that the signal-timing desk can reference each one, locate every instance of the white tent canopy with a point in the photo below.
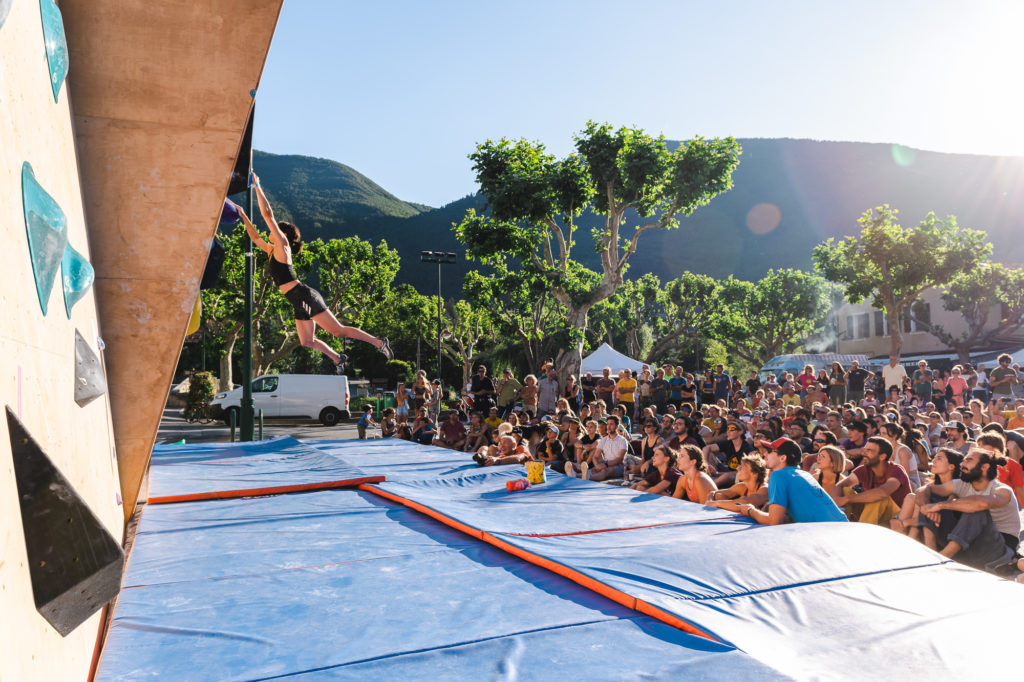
(606, 356)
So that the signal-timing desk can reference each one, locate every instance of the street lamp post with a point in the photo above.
(441, 258)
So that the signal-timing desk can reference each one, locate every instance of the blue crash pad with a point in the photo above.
(221, 468)
(342, 584)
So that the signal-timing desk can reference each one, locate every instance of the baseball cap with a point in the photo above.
(787, 447)
(958, 425)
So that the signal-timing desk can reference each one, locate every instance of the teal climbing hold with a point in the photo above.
(47, 231)
(78, 276)
(55, 42)
(5, 7)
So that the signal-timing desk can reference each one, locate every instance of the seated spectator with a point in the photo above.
(797, 430)
(624, 420)
(749, 488)
(608, 456)
(388, 423)
(956, 436)
(988, 531)
(650, 440)
(819, 439)
(492, 419)
(665, 429)
(685, 431)
(507, 451)
(829, 466)
(452, 433)
(874, 491)
(550, 451)
(945, 466)
(902, 454)
(723, 458)
(405, 432)
(476, 437)
(992, 438)
(587, 444)
(662, 474)
(762, 440)
(423, 428)
(694, 484)
(792, 492)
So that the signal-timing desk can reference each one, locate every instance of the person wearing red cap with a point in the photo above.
(792, 492)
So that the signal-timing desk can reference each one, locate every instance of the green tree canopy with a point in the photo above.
(891, 265)
(762, 319)
(534, 200)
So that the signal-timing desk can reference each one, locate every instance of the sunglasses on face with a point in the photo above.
(820, 440)
(732, 428)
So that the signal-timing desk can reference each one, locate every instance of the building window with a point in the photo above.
(881, 324)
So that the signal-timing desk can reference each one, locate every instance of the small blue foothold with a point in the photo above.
(252, 93)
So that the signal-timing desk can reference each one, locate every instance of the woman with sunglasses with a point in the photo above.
(831, 463)
(651, 439)
(723, 458)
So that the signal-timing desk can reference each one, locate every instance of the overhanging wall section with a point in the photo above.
(161, 95)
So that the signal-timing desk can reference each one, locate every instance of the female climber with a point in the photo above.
(310, 309)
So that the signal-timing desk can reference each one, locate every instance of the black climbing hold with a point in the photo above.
(74, 563)
(89, 380)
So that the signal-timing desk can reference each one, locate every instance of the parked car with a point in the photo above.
(290, 396)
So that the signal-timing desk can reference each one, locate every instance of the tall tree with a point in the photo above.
(465, 330)
(691, 307)
(629, 315)
(891, 265)
(762, 319)
(534, 200)
(974, 294)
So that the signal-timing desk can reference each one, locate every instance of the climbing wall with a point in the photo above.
(120, 122)
(60, 513)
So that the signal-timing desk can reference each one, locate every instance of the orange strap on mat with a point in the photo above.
(580, 579)
(260, 492)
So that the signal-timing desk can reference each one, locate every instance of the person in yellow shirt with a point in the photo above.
(1017, 420)
(625, 391)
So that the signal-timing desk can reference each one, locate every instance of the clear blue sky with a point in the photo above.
(402, 91)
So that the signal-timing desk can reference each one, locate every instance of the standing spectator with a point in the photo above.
(885, 484)
(837, 385)
(606, 386)
(893, 374)
(659, 388)
(433, 404)
(588, 385)
(571, 393)
(482, 390)
(753, 384)
(547, 393)
(805, 380)
(676, 381)
(687, 390)
(420, 390)
(723, 384)
(528, 394)
(981, 388)
(707, 389)
(1003, 378)
(365, 422)
(643, 388)
(855, 381)
(956, 387)
(625, 392)
(402, 399)
(792, 492)
(508, 389)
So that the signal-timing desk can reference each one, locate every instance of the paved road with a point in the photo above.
(173, 427)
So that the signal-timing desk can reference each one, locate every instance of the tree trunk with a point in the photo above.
(225, 365)
(895, 334)
(963, 353)
(570, 360)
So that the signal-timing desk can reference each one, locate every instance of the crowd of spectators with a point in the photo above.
(930, 454)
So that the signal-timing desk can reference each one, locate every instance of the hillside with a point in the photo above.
(817, 189)
(323, 196)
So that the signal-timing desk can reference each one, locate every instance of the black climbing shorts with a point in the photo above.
(306, 301)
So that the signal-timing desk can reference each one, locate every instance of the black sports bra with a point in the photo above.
(282, 273)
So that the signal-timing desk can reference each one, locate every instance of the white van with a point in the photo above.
(290, 396)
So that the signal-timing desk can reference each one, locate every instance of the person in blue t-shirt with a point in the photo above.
(792, 492)
(723, 383)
